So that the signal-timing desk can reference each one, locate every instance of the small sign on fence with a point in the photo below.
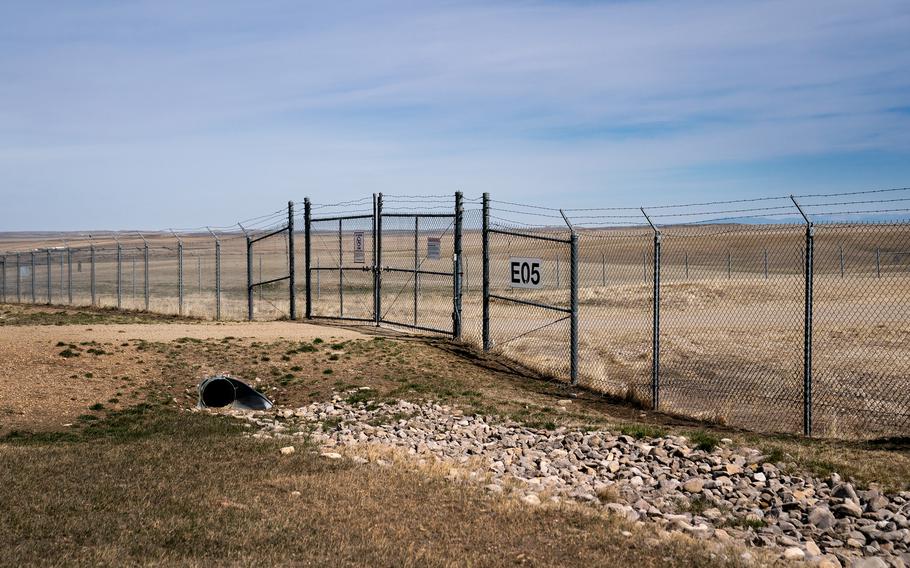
(525, 272)
(434, 247)
(358, 247)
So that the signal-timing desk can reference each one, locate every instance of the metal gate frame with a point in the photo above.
(250, 285)
(570, 313)
(456, 274)
(377, 268)
(310, 269)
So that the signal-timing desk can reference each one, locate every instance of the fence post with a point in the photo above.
(217, 274)
(308, 279)
(340, 269)
(729, 265)
(119, 275)
(416, 265)
(375, 268)
(49, 276)
(807, 322)
(485, 254)
(3, 280)
(69, 274)
(456, 313)
(603, 269)
(766, 263)
(655, 322)
(291, 265)
(180, 280)
(573, 300)
(145, 275)
(18, 278)
(34, 298)
(878, 263)
(377, 302)
(249, 278)
(92, 273)
(687, 265)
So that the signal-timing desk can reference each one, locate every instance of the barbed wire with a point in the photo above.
(589, 216)
(861, 192)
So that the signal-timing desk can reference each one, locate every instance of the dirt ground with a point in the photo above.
(52, 374)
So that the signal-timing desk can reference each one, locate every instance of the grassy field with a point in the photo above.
(731, 309)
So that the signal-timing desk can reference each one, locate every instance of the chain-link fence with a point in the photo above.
(777, 314)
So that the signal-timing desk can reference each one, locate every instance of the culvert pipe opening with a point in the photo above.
(220, 391)
(217, 392)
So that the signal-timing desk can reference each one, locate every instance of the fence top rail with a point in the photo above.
(339, 218)
(441, 215)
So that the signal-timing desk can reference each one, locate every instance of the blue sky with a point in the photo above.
(155, 114)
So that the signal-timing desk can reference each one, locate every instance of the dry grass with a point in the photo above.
(155, 486)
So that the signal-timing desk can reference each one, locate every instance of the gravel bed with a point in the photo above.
(728, 494)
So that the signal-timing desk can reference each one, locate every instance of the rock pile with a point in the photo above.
(728, 493)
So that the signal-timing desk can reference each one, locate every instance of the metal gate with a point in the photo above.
(275, 272)
(387, 266)
(419, 281)
(340, 266)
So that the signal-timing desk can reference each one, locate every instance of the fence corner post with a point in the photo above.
(485, 252)
(307, 251)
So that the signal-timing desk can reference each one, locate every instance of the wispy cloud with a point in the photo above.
(148, 103)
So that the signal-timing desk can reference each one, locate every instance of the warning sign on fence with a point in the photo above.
(525, 272)
(433, 248)
(358, 247)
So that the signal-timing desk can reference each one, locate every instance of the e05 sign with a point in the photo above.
(525, 272)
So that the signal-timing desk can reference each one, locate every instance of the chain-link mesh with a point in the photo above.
(341, 260)
(861, 365)
(270, 264)
(417, 270)
(530, 308)
(732, 312)
(731, 324)
(615, 311)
